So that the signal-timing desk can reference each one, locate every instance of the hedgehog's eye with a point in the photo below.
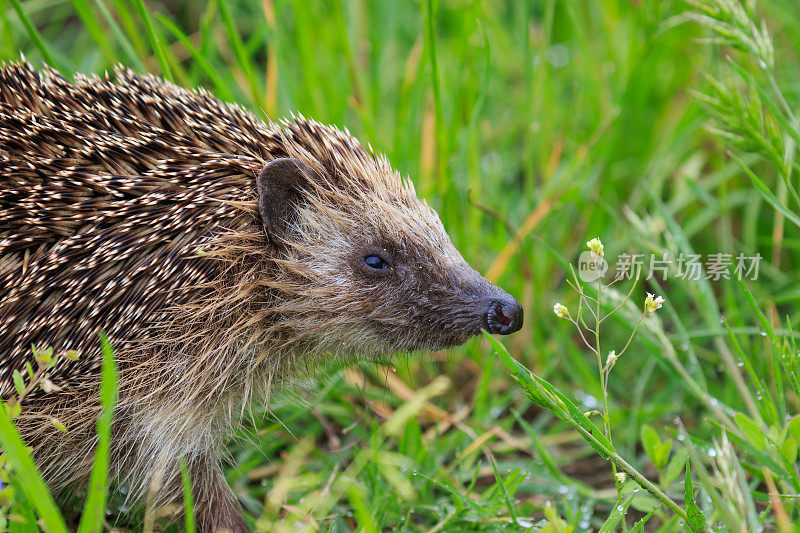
(376, 262)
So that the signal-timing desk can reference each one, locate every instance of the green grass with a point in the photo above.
(531, 127)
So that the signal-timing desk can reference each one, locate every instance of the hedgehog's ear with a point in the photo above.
(280, 184)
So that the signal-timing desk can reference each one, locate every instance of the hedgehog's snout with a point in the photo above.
(503, 315)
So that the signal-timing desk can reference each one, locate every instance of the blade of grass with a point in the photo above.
(25, 519)
(789, 359)
(617, 514)
(748, 365)
(433, 58)
(467, 501)
(221, 87)
(5, 31)
(95, 506)
(503, 490)
(775, 347)
(548, 461)
(28, 476)
(155, 40)
(188, 501)
(361, 97)
(92, 24)
(271, 72)
(245, 63)
(124, 12)
(695, 520)
(766, 193)
(37, 39)
(120, 36)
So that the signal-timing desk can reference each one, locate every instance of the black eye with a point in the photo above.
(378, 263)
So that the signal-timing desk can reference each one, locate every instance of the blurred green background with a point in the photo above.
(532, 127)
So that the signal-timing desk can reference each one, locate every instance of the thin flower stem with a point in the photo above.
(628, 297)
(632, 334)
(581, 293)
(580, 332)
(600, 365)
(586, 326)
(594, 315)
(577, 286)
(616, 279)
(588, 306)
(603, 385)
(583, 297)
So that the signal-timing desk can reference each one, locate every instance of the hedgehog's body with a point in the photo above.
(219, 253)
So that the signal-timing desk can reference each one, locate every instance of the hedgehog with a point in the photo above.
(221, 255)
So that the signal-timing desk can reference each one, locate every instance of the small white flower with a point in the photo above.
(620, 477)
(652, 303)
(561, 311)
(596, 247)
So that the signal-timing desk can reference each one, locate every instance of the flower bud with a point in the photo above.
(561, 311)
(596, 247)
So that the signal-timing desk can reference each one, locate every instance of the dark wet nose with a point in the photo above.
(503, 315)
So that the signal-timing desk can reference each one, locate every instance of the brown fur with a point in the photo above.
(131, 206)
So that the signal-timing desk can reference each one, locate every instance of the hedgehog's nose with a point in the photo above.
(504, 315)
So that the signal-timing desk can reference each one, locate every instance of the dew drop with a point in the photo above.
(557, 55)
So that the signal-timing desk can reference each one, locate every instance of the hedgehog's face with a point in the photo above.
(372, 272)
(420, 293)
